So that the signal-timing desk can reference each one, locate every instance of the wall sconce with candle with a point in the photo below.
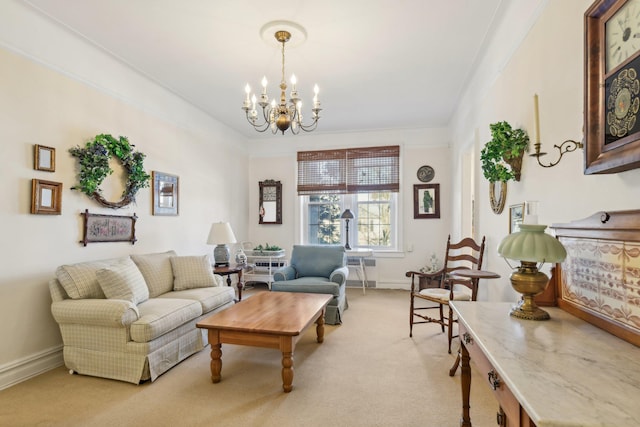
(566, 147)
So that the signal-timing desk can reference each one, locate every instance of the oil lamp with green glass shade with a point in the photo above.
(531, 245)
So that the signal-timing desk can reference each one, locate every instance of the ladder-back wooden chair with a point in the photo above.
(466, 254)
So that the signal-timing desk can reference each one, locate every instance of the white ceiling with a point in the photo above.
(380, 64)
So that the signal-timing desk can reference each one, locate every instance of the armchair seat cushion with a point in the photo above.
(317, 285)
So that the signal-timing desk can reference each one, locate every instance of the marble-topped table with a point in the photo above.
(563, 371)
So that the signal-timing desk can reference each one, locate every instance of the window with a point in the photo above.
(374, 226)
(374, 220)
(323, 213)
(365, 180)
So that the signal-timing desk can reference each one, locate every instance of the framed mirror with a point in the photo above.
(270, 210)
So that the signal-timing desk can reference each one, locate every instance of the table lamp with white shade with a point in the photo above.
(531, 245)
(221, 235)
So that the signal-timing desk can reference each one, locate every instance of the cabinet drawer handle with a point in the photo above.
(494, 381)
(467, 338)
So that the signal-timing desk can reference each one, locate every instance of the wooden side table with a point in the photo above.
(228, 271)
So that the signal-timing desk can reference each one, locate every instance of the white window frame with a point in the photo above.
(350, 201)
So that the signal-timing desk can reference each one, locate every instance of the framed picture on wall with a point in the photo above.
(516, 217)
(108, 228)
(426, 201)
(165, 193)
(44, 158)
(46, 197)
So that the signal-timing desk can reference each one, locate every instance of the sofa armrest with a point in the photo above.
(102, 312)
(339, 275)
(284, 273)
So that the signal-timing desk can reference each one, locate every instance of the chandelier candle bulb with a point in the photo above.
(264, 85)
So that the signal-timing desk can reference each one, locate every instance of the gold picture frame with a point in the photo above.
(46, 197)
(165, 194)
(44, 158)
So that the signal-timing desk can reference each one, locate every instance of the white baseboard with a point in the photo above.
(393, 285)
(30, 366)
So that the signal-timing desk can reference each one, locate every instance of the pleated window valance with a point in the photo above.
(351, 170)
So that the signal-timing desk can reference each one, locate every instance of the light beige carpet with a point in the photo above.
(368, 372)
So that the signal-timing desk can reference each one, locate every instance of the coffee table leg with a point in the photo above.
(320, 327)
(286, 345)
(216, 356)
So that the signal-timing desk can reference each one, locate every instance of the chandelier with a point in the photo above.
(283, 115)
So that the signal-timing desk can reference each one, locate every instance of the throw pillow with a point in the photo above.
(157, 272)
(191, 272)
(79, 280)
(123, 281)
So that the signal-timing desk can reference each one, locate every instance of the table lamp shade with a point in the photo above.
(532, 244)
(347, 214)
(220, 235)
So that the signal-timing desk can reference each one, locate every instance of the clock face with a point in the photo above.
(426, 173)
(622, 34)
(623, 103)
(269, 194)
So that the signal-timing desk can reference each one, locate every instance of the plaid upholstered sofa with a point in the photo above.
(133, 318)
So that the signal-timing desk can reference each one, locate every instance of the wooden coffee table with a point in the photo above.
(267, 319)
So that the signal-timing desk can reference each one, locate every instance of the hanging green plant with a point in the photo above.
(94, 168)
(502, 156)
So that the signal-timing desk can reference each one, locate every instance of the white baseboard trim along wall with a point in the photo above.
(31, 366)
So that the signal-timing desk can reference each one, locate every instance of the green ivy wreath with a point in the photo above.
(94, 168)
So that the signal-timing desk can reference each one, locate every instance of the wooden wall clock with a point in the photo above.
(612, 86)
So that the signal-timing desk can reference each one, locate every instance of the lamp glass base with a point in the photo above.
(221, 256)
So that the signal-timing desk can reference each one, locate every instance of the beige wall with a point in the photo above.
(549, 62)
(59, 91)
(418, 238)
(43, 104)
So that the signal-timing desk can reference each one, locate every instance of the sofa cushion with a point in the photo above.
(161, 315)
(191, 272)
(156, 270)
(79, 280)
(209, 298)
(123, 281)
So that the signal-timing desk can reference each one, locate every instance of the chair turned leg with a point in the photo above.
(441, 319)
(450, 324)
(411, 318)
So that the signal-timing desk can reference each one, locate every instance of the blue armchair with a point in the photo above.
(318, 269)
